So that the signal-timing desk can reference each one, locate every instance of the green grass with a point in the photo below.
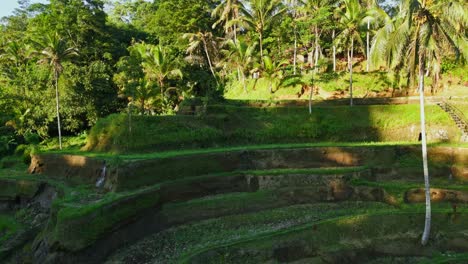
(171, 245)
(99, 216)
(8, 227)
(119, 157)
(328, 234)
(226, 126)
(363, 83)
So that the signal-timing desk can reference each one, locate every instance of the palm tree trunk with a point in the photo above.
(241, 75)
(162, 90)
(427, 222)
(261, 46)
(56, 75)
(368, 48)
(236, 15)
(234, 28)
(295, 49)
(209, 60)
(310, 95)
(129, 123)
(316, 55)
(351, 72)
(334, 51)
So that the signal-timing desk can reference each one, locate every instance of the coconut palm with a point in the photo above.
(241, 55)
(422, 34)
(227, 11)
(273, 72)
(259, 15)
(318, 13)
(205, 38)
(17, 58)
(157, 65)
(351, 17)
(53, 50)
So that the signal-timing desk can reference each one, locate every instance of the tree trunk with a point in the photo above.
(129, 123)
(295, 50)
(162, 90)
(235, 32)
(241, 75)
(316, 55)
(236, 15)
(142, 101)
(351, 72)
(56, 75)
(261, 46)
(368, 48)
(427, 222)
(209, 60)
(310, 95)
(334, 51)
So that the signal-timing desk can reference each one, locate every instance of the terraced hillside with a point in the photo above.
(307, 202)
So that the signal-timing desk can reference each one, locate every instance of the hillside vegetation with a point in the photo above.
(234, 125)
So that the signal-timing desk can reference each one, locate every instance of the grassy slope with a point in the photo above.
(172, 244)
(8, 227)
(230, 126)
(364, 84)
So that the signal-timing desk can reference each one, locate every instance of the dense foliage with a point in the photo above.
(69, 62)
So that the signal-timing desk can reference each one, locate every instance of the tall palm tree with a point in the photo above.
(241, 55)
(427, 31)
(227, 11)
(374, 12)
(351, 17)
(207, 41)
(53, 50)
(259, 15)
(318, 15)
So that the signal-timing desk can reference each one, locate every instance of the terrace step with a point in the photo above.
(458, 117)
(352, 239)
(173, 245)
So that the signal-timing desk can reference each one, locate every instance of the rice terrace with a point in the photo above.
(233, 131)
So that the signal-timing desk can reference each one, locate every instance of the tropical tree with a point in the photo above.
(425, 31)
(15, 58)
(207, 41)
(227, 11)
(53, 50)
(259, 15)
(241, 55)
(318, 17)
(351, 17)
(157, 65)
(273, 72)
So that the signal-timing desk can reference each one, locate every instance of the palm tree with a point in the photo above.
(17, 57)
(241, 55)
(227, 11)
(205, 38)
(427, 31)
(157, 65)
(318, 15)
(53, 50)
(351, 17)
(273, 72)
(259, 15)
